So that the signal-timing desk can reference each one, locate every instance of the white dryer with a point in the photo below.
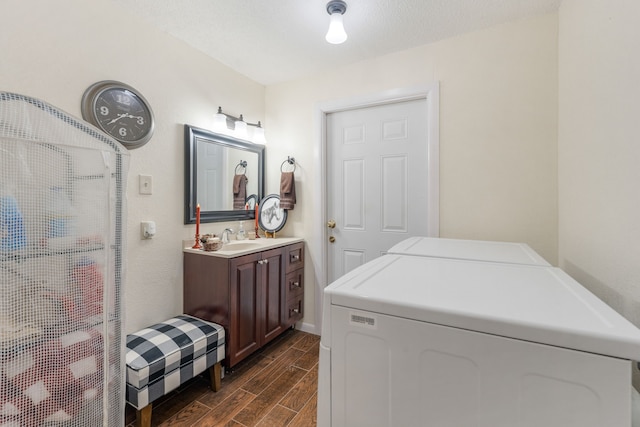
(421, 341)
(479, 250)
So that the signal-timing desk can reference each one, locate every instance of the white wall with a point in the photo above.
(498, 132)
(498, 125)
(599, 149)
(54, 50)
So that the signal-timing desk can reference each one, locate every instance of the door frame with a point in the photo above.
(431, 93)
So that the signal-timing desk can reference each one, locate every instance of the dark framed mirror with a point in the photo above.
(212, 160)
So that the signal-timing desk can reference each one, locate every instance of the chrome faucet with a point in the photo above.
(225, 235)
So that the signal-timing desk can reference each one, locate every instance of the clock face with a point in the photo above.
(119, 111)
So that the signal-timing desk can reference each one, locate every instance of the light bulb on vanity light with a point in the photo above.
(258, 135)
(241, 128)
(220, 121)
(336, 33)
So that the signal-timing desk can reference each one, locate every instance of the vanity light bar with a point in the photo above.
(224, 122)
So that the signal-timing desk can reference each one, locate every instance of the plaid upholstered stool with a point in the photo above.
(162, 357)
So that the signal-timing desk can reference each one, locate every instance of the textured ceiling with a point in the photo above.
(272, 41)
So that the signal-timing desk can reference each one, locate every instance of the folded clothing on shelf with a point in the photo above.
(51, 381)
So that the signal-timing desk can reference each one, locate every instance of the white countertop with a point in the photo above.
(244, 247)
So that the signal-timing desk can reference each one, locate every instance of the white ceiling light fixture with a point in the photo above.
(336, 33)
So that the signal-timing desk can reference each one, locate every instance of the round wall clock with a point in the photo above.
(120, 111)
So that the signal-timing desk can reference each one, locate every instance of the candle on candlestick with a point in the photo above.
(256, 215)
(198, 219)
(197, 244)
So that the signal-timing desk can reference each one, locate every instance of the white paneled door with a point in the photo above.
(377, 181)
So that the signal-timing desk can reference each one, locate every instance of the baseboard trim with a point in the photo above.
(307, 327)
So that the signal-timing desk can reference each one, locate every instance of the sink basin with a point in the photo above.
(240, 246)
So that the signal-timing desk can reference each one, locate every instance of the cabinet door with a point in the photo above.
(245, 311)
(272, 275)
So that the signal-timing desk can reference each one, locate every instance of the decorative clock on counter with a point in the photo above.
(271, 216)
(120, 111)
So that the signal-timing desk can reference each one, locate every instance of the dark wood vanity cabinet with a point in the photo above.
(254, 297)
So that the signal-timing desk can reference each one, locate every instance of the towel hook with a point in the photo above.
(242, 164)
(291, 161)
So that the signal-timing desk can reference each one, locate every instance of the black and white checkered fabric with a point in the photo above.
(163, 356)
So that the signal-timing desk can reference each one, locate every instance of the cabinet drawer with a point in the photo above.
(294, 257)
(294, 284)
(294, 310)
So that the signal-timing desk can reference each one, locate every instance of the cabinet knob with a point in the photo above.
(295, 284)
(295, 311)
(295, 257)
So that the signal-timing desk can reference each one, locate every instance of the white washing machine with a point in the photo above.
(420, 341)
(479, 250)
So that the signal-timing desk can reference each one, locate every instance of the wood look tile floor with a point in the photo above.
(276, 386)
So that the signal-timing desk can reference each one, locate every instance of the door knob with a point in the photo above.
(331, 223)
(332, 239)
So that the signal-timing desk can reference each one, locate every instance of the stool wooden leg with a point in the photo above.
(215, 372)
(143, 416)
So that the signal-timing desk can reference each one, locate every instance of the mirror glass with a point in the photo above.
(212, 160)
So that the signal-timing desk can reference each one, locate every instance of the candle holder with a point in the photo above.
(197, 245)
(257, 236)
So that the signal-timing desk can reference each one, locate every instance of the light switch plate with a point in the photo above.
(145, 184)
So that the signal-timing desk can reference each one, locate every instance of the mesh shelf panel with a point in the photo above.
(62, 195)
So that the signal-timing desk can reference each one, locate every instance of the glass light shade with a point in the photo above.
(336, 33)
(220, 122)
(241, 129)
(258, 136)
